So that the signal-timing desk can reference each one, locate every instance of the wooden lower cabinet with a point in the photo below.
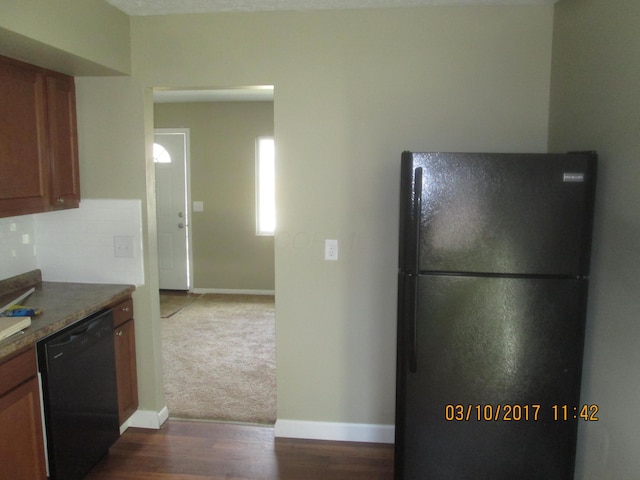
(22, 452)
(21, 441)
(125, 350)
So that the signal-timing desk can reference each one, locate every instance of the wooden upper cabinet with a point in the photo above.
(23, 141)
(38, 140)
(63, 142)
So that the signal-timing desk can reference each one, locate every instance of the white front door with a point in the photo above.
(170, 154)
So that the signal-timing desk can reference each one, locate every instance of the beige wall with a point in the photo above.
(352, 90)
(595, 104)
(88, 37)
(114, 163)
(227, 253)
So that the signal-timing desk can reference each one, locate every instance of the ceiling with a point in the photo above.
(168, 7)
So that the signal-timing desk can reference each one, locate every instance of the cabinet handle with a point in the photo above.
(125, 309)
(119, 333)
(60, 200)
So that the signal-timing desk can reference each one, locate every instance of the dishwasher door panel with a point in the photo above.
(80, 395)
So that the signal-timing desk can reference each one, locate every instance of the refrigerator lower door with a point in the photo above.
(496, 361)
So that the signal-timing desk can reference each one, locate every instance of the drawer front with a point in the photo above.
(17, 370)
(122, 312)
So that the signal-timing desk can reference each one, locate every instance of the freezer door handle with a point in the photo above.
(413, 308)
(417, 218)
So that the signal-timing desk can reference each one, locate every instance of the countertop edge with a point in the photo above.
(99, 297)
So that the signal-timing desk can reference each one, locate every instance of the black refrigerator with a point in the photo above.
(492, 293)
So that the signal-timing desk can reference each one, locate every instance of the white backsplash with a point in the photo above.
(17, 248)
(77, 245)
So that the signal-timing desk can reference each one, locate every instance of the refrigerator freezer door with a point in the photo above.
(494, 355)
(525, 214)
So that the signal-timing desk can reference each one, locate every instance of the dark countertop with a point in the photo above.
(61, 303)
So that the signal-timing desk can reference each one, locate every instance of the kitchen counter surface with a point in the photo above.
(61, 303)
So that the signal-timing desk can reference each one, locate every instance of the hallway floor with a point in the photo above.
(203, 450)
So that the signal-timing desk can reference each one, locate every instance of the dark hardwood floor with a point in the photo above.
(201, 450)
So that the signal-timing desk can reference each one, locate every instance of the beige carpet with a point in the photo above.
(219, 359)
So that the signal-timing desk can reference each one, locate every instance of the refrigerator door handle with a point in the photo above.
(417, 218)
(413, 325)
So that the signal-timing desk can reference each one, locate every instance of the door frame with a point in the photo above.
(189, 209)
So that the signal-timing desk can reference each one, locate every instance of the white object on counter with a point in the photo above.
(11, 325)
(17, 300)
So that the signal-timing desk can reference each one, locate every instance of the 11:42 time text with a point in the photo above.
(588, 413)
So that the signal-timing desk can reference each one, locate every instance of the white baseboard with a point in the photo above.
(343, 432)
(231, 291)
(146, 419)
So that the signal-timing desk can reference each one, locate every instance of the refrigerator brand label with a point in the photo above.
(573, 177)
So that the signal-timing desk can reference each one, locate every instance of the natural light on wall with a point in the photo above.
(265, 186)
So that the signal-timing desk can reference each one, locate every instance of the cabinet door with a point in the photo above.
(63, 142)
(23, 140)
(126, 370)
(122, 312)
(21, 440)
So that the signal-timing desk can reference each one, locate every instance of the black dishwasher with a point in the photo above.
(80, 403)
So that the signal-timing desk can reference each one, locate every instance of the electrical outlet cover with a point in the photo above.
(331, 249)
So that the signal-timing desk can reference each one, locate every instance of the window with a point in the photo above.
(160, 154)
(265, 186)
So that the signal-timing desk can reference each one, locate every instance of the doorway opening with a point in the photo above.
(171, 159)
(230, 293)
